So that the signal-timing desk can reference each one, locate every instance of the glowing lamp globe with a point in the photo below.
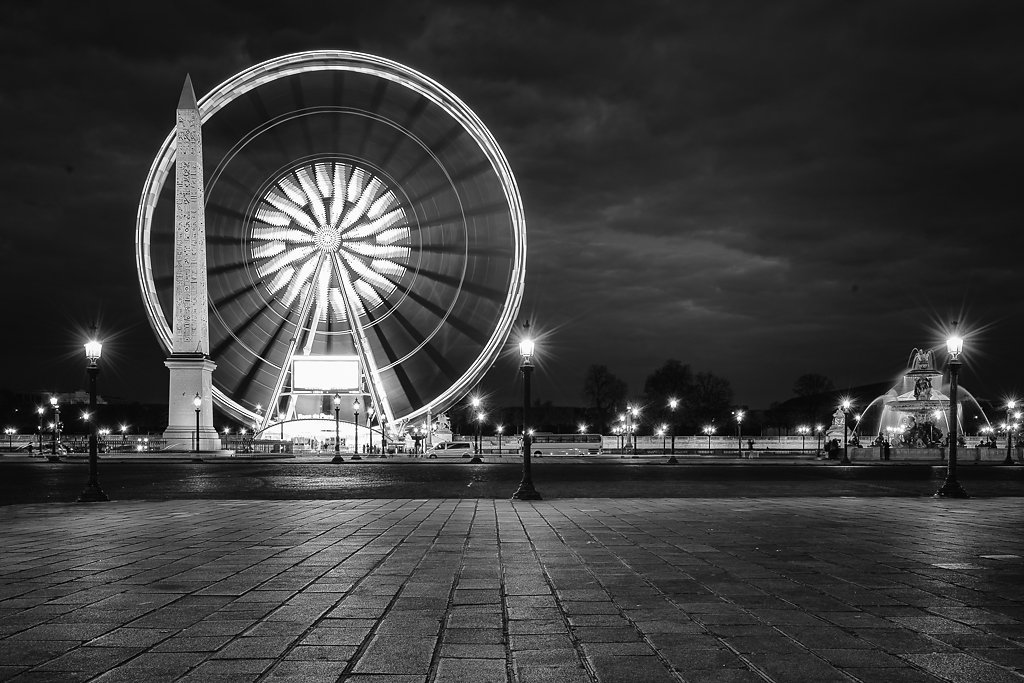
(955, 346)
(526, 348)
(93, 349)
(197, 401)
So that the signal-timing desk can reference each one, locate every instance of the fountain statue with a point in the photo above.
(914, 413)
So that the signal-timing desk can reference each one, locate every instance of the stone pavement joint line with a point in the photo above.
(479, 591)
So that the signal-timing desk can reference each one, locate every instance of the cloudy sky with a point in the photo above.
(757, 189)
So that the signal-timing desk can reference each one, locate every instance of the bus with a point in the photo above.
(545, 443)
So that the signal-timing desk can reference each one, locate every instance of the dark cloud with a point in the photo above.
(761, 190)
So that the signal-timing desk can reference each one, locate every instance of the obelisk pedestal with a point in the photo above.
(190, 366)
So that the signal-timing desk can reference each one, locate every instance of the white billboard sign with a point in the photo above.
(325, 373)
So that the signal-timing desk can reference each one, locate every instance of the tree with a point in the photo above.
(673, 380)
(812, 383)
(710, 399)
(604, 391)
(815, 391)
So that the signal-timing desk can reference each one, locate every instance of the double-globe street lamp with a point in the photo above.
(951, 487)
(40, 411)
(92, 493)
(803, 430)
(709, 430)
(526, 491)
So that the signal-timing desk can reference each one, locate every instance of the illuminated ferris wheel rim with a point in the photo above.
(362, 63)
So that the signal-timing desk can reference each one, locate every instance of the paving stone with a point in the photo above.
(630, 669)
(471, 671)
(390, 654)
(963, 668)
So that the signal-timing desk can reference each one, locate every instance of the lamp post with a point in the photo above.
(56, 422)
(337, 436)
(951, 487)
(9, 431)
(39, 411)
(673, 403)
(662, 430)
(92, 493)
(369, 426)
(479, 430)
(1010, 406)
(499, 429)
(355, 423)
(739, 432)
(802, 430)
(526, 491)
(197, 402)
(709, 430)
(845, 407)
(817, 430)
(280, 422)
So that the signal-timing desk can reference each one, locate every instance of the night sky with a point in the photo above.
(760, 190)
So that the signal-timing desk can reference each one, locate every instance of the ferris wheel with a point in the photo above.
(355, 209)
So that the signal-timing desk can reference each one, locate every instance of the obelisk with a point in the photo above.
(190, 366)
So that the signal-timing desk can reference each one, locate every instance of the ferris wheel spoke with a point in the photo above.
(410, 120)
(256, 103)
(379, 89)
(476, 289)
(400, 373)
(250, 375)
(430, 154)
(490, 209)
(448, 183)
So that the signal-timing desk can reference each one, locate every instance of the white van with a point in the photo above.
(450, 448)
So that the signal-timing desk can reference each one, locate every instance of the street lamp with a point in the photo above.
(40, 411)
(817, 430)
(526, 491)
(92, 493)
(198, 403)
(709, 430)
(9, 431)
(951, 487)
(337, 436)
(479, 428)
(802, 430)
(845, 407)
(661, 432)
(739, 432)
(56, 422)
(1010, 406)
(498, 429)
(673, 403)
(355, 422)
(280, 421)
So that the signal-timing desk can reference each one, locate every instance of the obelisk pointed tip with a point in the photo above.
(188, 95)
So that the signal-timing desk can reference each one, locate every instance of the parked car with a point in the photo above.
(460, 448)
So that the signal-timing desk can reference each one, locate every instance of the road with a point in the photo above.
(37, 482)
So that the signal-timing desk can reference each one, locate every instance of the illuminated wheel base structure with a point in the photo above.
(365, 237)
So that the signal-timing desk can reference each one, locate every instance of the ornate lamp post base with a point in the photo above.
(337, 458)
(951, 489)
(92, 493)
(672, 460)
(526, 492)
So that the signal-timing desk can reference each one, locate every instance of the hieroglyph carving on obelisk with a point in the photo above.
(191, 324)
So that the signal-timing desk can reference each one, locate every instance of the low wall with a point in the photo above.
(933, 455)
